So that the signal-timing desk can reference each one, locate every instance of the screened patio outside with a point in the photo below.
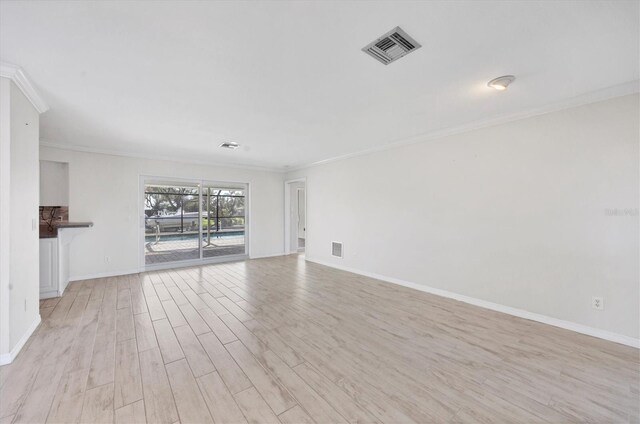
(178, 227)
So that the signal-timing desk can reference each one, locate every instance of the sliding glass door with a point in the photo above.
(223, 211)
(192, 221)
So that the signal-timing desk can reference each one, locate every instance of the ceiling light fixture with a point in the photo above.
(501, 83)
(229, 145)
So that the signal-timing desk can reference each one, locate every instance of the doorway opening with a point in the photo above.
(295, 216)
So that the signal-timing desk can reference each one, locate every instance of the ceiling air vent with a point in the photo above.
(336, 249)
(391, 46)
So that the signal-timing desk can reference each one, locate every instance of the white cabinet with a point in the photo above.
(54, 258)
(49, 275)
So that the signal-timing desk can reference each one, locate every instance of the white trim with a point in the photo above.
(87, 149)
(105, 274)
(620, 90)
(273, 255)
(49, 294)
(248, 222)
(567, 325)
(141, 223)
(7, 358)
(194, 262)
(200, 242)
(182, 264)
(5, 220)
(20, 78)
(587, 98)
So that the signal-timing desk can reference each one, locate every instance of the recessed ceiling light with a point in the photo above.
(501, 83)
(229, 145)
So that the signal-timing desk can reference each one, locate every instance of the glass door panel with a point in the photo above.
(223, 221)
(172, 222)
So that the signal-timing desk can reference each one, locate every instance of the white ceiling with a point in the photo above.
(287, 79)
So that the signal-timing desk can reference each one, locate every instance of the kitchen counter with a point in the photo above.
(46, 233)
(73, 224)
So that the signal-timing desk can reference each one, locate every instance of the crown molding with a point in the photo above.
(20, 78)
(86, 149)
(619, 90)
(631, 87)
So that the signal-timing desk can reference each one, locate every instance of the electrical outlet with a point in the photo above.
(107, 259)
(597, 303)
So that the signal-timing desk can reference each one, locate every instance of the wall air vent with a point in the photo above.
(336, 249)
(391, 46)
(229, 145)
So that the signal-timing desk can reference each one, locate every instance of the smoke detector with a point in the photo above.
(391, 46)
(229, 145)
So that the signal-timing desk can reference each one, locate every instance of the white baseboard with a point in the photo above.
(105, 274)
(168, 266)
(195, 262)
(7, 358)
(48, 294)
(269, 256)
(567, 325)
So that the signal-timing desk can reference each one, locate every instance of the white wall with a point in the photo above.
(5, 213)
(105, 189)
(25, 181)
(19, 230)
(529, 214)
(54, 183)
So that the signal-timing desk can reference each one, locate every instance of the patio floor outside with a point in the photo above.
(180, 250)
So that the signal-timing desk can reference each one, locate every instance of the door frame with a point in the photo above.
(287, 214)
(201, 260)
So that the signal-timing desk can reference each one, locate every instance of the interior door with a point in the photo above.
(302, 223)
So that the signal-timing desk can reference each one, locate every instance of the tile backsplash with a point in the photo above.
(61, 214)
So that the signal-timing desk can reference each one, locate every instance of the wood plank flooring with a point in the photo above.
(284, 340)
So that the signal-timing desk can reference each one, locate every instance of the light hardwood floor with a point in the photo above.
(281, 340)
